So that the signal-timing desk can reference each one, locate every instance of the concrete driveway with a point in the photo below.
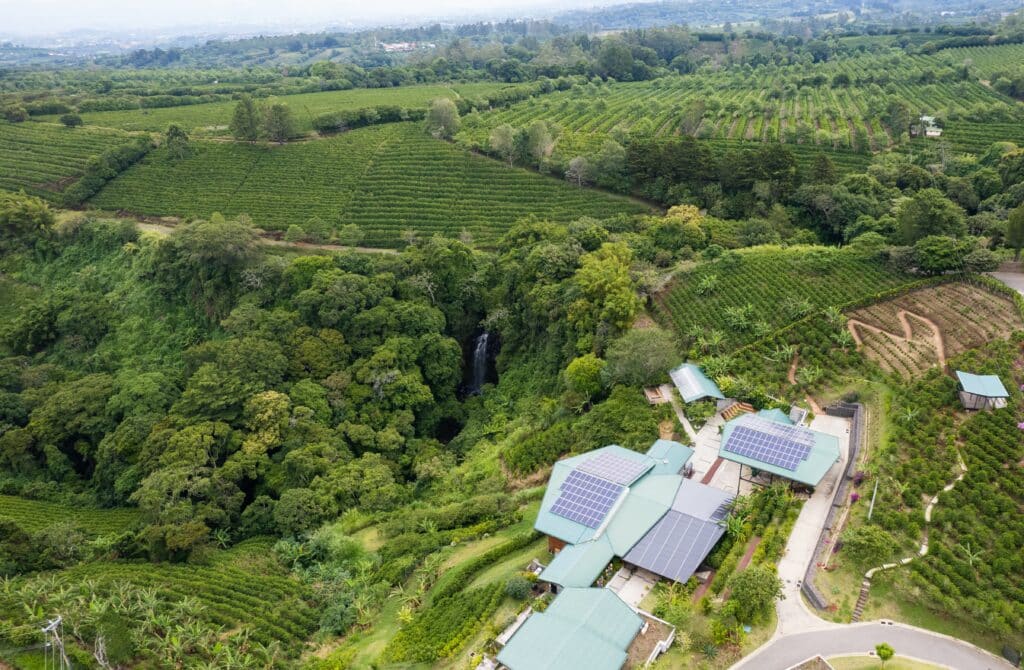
(861, 638)
(1014, 280)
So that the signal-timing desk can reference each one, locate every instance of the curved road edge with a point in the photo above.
(859, 638)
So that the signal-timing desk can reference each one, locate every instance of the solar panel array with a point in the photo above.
(769, 442)
(676, 546)
(586, 499)
(615, 468)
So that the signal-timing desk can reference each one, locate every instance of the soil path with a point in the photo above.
(791, 377)
(904, 317)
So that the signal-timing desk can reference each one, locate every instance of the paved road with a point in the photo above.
(1014, 280)
(860, 638)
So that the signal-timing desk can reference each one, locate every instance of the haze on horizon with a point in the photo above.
(33, 18)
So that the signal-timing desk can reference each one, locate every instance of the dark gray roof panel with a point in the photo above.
(676, 546)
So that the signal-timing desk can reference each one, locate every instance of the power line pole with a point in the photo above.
(53, 650)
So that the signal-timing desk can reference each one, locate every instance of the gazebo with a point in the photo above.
(981, 391)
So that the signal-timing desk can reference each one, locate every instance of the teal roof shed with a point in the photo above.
(989, 386)
(693, 384)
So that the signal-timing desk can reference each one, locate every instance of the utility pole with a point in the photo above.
(53, 650)
(871, 509)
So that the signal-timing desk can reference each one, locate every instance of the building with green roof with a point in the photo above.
(583, 628)
(769, 442)
(693, 384)
(981, 391)
(638, 500)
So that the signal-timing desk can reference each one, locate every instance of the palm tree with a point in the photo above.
(834, 315)
(971, 555)
(909, 414)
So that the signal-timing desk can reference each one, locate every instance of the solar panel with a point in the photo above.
(676, 546)
(586, 499)
(769, 442)
(615, 468)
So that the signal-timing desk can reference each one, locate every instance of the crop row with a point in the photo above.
(34, 515)
(800, 282)
(386, 180)
(42, 158)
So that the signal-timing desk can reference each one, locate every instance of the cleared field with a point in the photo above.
(33, 515)
(732, 298)
(44, 158)
(900, 334)
(213, 118)
(386, 180)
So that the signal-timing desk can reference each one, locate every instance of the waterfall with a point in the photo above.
(479, 364)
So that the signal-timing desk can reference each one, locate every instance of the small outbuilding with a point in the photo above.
(769, 442)
(693, 384)
(981, 391)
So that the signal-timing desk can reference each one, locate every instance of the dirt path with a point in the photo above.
(791, 377)
(904, 317)
(167, 229)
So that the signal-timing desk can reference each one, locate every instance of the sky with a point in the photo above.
(48, 17)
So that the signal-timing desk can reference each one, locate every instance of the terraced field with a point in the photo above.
(213, 118)
(986, 61)
(386, 180)
(33, 515)
(734, 300)
(44, 158)
(242, 587)
(962, 315)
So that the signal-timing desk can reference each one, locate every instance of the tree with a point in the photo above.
(245, 121)
(541, 142)
(442, 119)
(824, 170)
(868, 546)
(15, 113)
(935, 255)
(295, 233)
(278, 124)
(641, 357)
(71, 120)
(584, 375)
(23, 218)
(610, 166)
(177, 143)
(503, 142)
(928, 212)
(1015, 231)
(754, 591)
(615, 60)
(578, 171)
(884, 652)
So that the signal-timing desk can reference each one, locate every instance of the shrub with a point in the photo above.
(518, 587)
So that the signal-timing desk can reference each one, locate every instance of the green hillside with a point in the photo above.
(213, 118)
(44, 158)
(386, 180)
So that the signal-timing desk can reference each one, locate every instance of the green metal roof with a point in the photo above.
(693, 384)
(989, 386)
(776, 415)
(670, 457)
(579, 564)
(562, 528)
(811, 471)
(583, 628)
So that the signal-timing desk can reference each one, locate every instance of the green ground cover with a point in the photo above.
(213, 118)
(386, 180)
(33, 515)
(731, 297)
(44, 158)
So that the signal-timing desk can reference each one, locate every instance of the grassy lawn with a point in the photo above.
(870, 663)
(678, 658)
(513, 563)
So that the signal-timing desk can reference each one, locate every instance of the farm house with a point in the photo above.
(616, 502)
(769, 442)
(925, 127)
(981, 391)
